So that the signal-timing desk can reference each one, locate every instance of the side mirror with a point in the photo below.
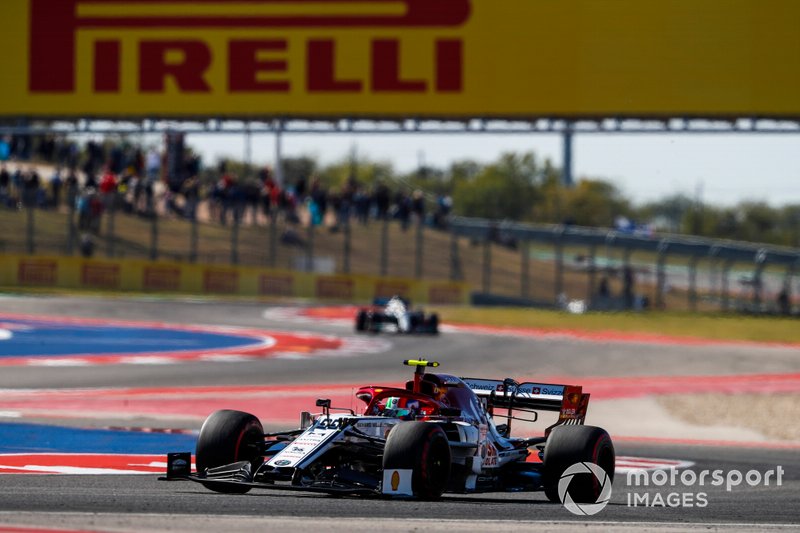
(325, 403)
(306, 420)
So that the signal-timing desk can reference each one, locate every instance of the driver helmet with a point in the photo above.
(392, 408)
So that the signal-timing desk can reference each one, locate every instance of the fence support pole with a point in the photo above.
(346, 251)
(559, 271)
(455, 267)
(566, 177)
(758, 288)
(71, 228)
(661, 275)
(193, 240)
(592, 268)
(692, 294)
(30, 231)
(726, 269)
(310, 247)
(110, 229)
(418, 251)
(235, 240)
(384, 266)
(486, 278)
(273, 239)
(525, 257)
(153, 235)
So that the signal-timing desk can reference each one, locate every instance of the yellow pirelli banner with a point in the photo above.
(146, 276)
(422, 58)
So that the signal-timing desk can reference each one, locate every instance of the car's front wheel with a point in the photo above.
(228, 437)
(423, 448)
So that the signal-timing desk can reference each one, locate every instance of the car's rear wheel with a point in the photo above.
(567, 445)
(433, 324)
(228, 437)
(423, 448)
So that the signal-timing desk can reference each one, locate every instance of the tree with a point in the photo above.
(595, 203)
(505, 189)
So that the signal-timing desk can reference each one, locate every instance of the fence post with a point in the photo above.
(761, 262)
(525, 257)
(726, 269)
(455, 266)
(273, 238)
(692, 294)
(235, 240)
(310, 246)
(592, 268)
(559, 271)
(30, 231)
(346, 251)
(384, 267)
(154, 235)
(661, 276)
(486, 285)
(193, 239)
(419, 247)
(110, 229)
(71, 228)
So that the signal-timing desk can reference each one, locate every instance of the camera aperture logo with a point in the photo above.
(584, 508)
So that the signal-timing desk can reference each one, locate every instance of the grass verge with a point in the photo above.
(676, 324)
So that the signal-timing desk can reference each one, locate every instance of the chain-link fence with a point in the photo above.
(504, 262)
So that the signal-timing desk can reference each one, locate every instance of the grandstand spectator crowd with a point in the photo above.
(97, 177)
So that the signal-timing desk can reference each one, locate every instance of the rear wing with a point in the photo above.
(569, 400)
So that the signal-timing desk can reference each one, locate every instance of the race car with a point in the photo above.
(395, 312)
(435, 435)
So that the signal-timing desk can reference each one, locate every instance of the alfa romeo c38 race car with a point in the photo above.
(437, 434)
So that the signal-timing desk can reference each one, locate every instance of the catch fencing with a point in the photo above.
(504, 263)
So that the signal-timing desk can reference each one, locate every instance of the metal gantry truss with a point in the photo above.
(375, 126)
(566, 127)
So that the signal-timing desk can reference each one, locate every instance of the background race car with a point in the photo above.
(396, 313)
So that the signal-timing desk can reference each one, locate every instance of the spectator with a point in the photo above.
(191, 193)
(418, 205)
(5, 183)
(55, 188)
(31, 184)
(361, 200)
(784, 302)
(382, 200)
(628, 280)
(108, 188)
(72, 187)
(153, 165)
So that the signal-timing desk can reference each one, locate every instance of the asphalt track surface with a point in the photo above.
(141, 503)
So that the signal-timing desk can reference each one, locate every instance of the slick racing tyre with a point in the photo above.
(568, 445)
(423, 448)
(228, 437)
(433, 324)
(361, 321)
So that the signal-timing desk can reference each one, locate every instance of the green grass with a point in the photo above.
(707, 326)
